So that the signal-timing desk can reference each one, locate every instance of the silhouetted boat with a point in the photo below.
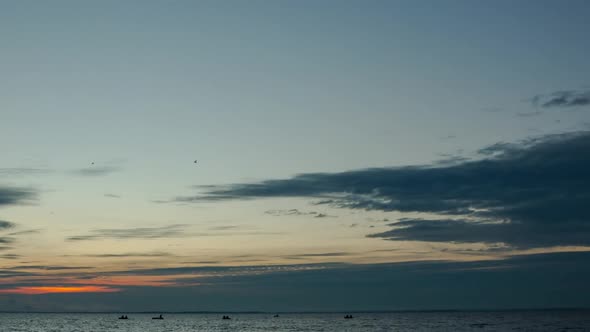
(124, 317)
(348, 317)
(275, 316)
(225, 317)
(160, 317)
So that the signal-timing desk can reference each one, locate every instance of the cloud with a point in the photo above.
(177, 230)
(290, 212)
(20, 171)
(445, 230)
(13, 195)
(500, 147)
(526, 281)
(48, 267)
(528, 114)
(296, 212)
(316, 255)
(219, 271)
(6, 240)
(9, 256)
(492, 109)
(112, 196)
(450, 158)
(6, 225)
(223, 228)
(205, 262)
(96, 171)
(34, 290)
(171, 231)
(528, 194)
(566, 98)
(25, 232)
(132, 254)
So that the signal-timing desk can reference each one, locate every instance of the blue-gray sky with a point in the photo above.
(332, 138)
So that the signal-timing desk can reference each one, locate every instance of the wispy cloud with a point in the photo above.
(323, 215)
(217, 271)
(566, 98)
(25, 232)
(171, 231)
(48, 267)
(296, 212)
(318, 255)
(528, 114)
(528, 194)
(34, 290)
(177, 230)
(492, 109)
(112, 196)
(205, 262)
(96, 171)
(224, 227)
(133, 255)
(451, 158)
(21, 171)
(9, 256)
(6, 240)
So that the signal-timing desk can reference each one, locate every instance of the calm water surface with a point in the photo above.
(414, 321)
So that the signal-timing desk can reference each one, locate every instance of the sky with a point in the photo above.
(294, 155)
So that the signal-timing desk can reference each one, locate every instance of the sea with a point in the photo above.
(542, 320)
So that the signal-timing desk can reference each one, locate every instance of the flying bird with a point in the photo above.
(195, 162)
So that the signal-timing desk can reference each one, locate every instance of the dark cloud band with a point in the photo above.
(526, 195)
(568, 98)
(13, 195)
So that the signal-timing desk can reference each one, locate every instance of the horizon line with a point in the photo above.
(301, 312)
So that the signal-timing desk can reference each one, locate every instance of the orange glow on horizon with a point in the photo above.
(58, 289)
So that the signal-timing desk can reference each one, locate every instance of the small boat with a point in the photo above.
(275, 316)
(348, 317)
(160, 317)
(124, 317)
(225, 317)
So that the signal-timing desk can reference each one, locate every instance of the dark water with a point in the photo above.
(400, 321)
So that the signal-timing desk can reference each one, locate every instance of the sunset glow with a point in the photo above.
(293, 156)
